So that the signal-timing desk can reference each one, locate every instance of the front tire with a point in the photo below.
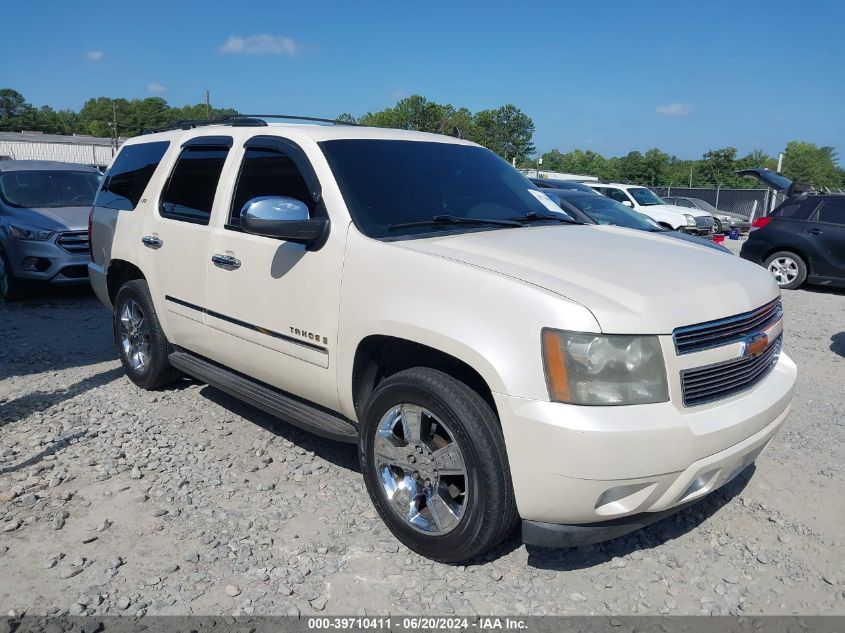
(11, 288)
(141, 342)
(435, 466)
(788, 269)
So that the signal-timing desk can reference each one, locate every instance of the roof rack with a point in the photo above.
(242, 120)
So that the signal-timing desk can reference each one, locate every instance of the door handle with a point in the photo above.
(815, 231)
(227, 261)
(152, 241)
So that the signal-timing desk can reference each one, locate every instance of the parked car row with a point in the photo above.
(501, 354)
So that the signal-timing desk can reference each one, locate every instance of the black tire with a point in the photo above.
(718, 228)
(489, 514)
(800, 266)
(11, 288)
(157, 372)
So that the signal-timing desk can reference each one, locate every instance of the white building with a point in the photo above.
(81, 149)
(556, 175)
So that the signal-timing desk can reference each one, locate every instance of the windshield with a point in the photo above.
(389, 183)
(704, 205)
(645, 197)
(606, 211)
(49, 188)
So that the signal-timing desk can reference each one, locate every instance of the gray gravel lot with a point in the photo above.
(184, 501)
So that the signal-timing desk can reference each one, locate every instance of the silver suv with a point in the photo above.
(44, 208)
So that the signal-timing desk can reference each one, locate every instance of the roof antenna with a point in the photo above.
(455, 132)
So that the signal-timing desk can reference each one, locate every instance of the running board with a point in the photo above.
(301, 414)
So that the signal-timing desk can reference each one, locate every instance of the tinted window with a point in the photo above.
(832, 211)
(189, 192)
(129, 174)
(267, 172)
(52, 188)
(681, 202)
(393, 182)
(796, 210)
(616, 194)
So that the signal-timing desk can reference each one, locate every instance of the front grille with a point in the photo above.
(694, 338)
(714, 382)
(705, 222)
(74, 241)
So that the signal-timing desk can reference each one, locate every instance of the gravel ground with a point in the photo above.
(184, 501)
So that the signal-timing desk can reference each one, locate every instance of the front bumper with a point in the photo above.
(52, 264)
(582, 466)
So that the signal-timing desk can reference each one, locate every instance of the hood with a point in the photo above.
(51, 218)
(672, 208)
(633, 282)
(694, 239)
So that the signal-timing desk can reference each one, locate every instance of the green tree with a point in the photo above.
(655, 166)
(816, 165)
(506, 130)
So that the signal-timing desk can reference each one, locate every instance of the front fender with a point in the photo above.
(489, 321)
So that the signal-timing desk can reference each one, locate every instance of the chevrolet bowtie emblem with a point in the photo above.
(755, 344)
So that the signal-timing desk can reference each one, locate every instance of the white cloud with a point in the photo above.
(676, 109)
(260, 45)
(156, 88)
(94, 56)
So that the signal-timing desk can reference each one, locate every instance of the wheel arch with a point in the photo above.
(379, 356)
(119, 272)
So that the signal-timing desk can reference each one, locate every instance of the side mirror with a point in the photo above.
(628, 203)
(282, 218)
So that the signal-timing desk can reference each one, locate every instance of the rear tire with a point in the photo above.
(421, 420)
(788, 269)
(11, 288)
(141, 342)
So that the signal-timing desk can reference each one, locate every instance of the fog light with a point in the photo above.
(35, 264)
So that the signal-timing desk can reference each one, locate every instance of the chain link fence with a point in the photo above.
(744, 202)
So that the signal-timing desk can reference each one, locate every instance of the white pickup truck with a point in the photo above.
(412, 293)
(670, 216)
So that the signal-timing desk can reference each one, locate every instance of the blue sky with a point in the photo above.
(609, 76)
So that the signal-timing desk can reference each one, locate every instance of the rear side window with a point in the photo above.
(189, 192)
(129, 175)
(796, 210)
(832, 212)
(267, 172)
(616, 194)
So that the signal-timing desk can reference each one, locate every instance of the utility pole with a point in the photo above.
(114, 124)
(207, 105)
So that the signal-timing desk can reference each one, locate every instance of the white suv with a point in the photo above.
(669, 216)
(414, 294)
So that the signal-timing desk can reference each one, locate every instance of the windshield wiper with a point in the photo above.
(453, 219)
(533, 216)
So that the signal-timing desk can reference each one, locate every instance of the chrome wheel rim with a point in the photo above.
(784, 270)
(134, 335)
(421, 469)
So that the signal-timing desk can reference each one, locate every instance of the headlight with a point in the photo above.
(690, 220)
(24, 232)
(583, 368)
